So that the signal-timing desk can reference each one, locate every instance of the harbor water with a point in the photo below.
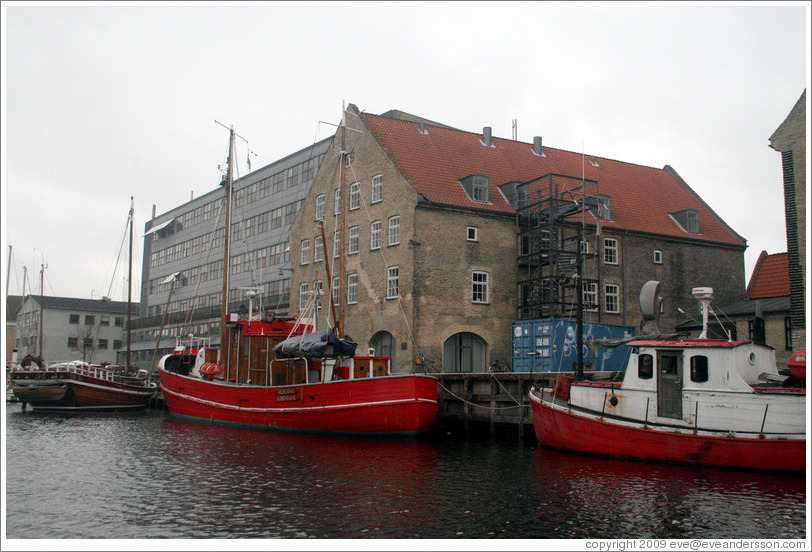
(147, 475)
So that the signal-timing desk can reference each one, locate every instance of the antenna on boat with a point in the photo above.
(704, 296)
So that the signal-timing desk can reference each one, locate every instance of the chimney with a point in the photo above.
(537, 147)
(422, 128)
(486, 137)
(153, 210)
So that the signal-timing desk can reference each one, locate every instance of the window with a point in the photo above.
(117, 344)
(73, 342)
(472, 234)
(658, 256)
(479, 287)
(103, 344)
(394, 230)
(476, 187)
(610, 251)
(318, 249)
(303, 289)
(355, 195)
(480, 189)
(590, 296)
(355, 238)
(352, 289)
(336, 289)
(612, 298)
(74, 318)
(688, 220)
(377, 188)
(119, 321)
(87, 342)
(320, 207)
(645, 367)
(337, 202)
(336, 243)
(699, 369)
(104, 320)
(392, 276)
(375, 235)
(305, 252)
(349, 159)
(90, 320)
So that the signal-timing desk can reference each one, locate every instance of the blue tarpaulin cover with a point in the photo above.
(320, 344)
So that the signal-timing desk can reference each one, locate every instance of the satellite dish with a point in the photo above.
(651, 303)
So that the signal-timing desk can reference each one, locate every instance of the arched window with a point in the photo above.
(464, 352)
(384, 345)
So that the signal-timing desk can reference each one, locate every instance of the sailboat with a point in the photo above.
(714, 402)
(78, 385)
(284, 374)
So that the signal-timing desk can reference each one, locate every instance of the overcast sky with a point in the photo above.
(104, 102)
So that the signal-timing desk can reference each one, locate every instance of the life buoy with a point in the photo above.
(210, 370)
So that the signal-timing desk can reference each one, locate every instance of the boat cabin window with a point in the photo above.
(699, 369)
(645, 367)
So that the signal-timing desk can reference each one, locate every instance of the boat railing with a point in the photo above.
(191, 343)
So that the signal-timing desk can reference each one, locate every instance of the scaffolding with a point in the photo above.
(551, 217)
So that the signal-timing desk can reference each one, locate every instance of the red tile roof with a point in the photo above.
(770, 277)
(641, 197)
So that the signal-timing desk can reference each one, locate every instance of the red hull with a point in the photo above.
(565, 430)
(390, 405)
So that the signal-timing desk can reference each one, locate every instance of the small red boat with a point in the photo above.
(696, 401)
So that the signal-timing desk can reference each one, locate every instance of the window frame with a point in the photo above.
(376, 195)
(611, 255)
(320, 206)
(355, 196)
(375, 235)
(304, 252)
(472, 236)
(392, 282)
(615, 295)
(480, 289)
(393, 235)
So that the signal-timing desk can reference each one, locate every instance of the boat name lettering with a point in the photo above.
(288, 398)
(287, 391)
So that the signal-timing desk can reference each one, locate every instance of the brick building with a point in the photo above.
(790, 140)
(432, 256)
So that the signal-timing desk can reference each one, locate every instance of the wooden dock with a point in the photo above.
(488, 403)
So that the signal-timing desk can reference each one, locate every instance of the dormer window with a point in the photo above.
(476, 187)
(688, 220)
(515, 193)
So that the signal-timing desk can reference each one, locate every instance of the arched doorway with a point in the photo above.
(384, 345)
(464, 352)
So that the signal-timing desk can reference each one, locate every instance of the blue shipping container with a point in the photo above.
(550, 345)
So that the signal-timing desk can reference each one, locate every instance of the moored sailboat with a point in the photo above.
(250, 380)
(697, 401)
(78, 385)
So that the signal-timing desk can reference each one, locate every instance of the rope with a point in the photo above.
(447, 390)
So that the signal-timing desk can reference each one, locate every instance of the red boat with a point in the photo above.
(354, 395)
(281, 374)
(698, 401)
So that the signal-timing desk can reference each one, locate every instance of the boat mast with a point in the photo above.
(329, 277)
(8, 271)
(342, 159)
(229, 180)
(130, 284)
(41, 305)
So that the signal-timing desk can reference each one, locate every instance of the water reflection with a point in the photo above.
(149, 476)
(612, 498)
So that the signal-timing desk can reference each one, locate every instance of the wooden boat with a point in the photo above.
(78, 386)
(696, 401)
(251, 380)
